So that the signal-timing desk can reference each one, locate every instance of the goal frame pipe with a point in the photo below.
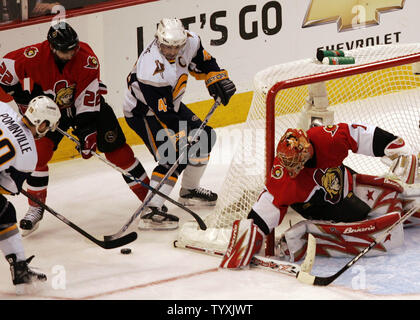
(270, 143)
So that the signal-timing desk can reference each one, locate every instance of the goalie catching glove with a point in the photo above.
(87, 138)
(220, 86)
(404, 164)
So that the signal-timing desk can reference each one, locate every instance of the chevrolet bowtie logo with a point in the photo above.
(348, 14)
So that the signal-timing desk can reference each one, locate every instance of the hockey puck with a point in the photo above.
(125, 251)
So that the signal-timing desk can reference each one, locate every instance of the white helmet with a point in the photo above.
(171, 32)
(42, 109)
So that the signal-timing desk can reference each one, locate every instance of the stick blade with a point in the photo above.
(119, 242)
(323, 281)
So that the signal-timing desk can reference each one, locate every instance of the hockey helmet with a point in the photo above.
(171, 32)
(42, 109)
(293, 150)
(62, 37)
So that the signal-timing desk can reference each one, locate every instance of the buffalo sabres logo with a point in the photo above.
(92, 63)
(30, 52)
(331, 180)
(277, 172)
(332, 129)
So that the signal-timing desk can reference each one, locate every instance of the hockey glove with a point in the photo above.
(22, 97)
(11, 181)
(87, 139)
(220, 86)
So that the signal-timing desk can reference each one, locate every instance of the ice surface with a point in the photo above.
(95, 197)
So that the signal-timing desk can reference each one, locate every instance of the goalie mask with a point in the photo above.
(293, 150)
(42, 109)
(171, 37)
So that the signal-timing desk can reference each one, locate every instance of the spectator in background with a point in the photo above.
(41, 7)
(10, 10)
(45, 7)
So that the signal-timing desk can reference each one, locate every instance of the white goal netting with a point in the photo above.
(381, 88)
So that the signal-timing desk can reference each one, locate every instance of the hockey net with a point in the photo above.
(381, 88)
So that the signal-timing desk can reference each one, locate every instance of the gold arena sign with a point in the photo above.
(348, 14)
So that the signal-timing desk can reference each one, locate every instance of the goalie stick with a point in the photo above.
(127, 174)
(167, 175)
(107, 244)
(305, 277)
(270, 264)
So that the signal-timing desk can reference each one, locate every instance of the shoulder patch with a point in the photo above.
(277, 172)
(160, 67)
(206, 55)
(30, 52)
(92, 63)
(332, 129)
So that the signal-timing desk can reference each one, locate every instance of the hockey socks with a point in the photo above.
(124, 158)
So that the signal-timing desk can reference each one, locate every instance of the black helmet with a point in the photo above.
(62, 37)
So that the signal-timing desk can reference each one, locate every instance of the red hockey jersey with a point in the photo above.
(324, 171)
(77, 84)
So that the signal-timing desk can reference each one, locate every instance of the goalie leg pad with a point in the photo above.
(245, 241)
(380, 194)
(410, 197)
(343, 239)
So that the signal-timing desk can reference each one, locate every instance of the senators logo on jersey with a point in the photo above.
(64, 94)
(92, 63)
(331, 181)
(30, 52)
(332, 129)
(277, 172)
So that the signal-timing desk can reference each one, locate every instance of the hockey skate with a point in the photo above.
(31, 220)
(22, 275)
(157, 219)
(197, 197)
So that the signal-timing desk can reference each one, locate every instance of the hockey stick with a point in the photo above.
(269, 264)
(305, 277)
(127, 174)
(107, 244)
(167, 175)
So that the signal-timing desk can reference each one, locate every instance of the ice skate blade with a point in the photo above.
(26, 232)
(196, 202)
(151, 225)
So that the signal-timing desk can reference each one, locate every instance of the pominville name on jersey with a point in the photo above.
(16, 131)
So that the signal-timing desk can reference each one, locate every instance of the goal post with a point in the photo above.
(381, 88)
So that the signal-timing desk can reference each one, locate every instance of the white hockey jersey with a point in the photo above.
(17, 147)
(156, 85)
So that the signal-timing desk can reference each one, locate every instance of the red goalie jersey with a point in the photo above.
(324, 179)
(75, 84)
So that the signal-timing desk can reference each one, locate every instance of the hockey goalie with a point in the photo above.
(343, 209)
